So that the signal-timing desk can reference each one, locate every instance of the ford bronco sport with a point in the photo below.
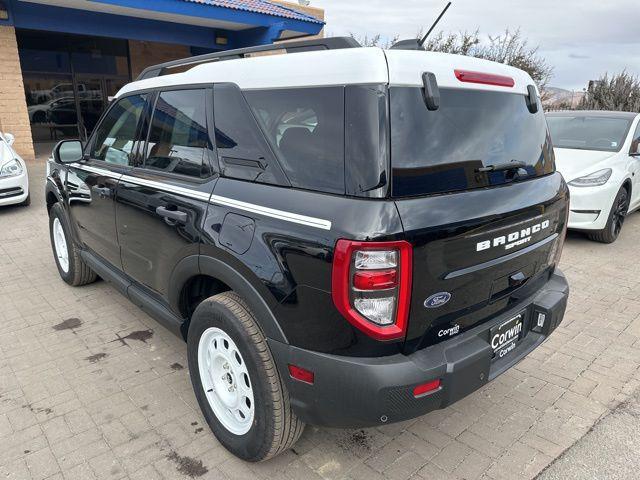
(344, 236)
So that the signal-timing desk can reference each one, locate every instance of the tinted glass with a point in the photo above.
(441, 151)
(305, 127)
(635, 144)
(367, 141)
(242, 149)
(115, 136)
(179, 140)
(588, 133)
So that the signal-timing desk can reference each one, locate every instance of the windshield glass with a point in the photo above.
(441, 151)
(588, 133)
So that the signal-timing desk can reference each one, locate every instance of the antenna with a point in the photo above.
(424, 39)
(415, 44)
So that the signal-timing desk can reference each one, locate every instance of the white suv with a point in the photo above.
(598, 153)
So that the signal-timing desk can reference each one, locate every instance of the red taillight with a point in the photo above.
(301, 374)
(375, 280)
(425, 388)
(484, 78)
(371, 286)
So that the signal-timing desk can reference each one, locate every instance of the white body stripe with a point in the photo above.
(214, 199)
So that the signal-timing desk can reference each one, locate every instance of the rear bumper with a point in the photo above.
(360, 392)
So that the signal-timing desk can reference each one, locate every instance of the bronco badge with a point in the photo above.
(437, 300)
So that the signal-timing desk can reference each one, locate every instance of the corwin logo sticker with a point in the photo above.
(437, 300)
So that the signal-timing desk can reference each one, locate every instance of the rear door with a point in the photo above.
(483, 240)
(92, 183)
(163, 198)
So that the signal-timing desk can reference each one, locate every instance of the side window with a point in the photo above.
(242, 150)
(635, 141)
(305, 126)
(178, 138)
(115, 136)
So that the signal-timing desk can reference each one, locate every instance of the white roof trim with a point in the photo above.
(340, 67)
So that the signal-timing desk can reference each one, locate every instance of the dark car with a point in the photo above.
(348, 237)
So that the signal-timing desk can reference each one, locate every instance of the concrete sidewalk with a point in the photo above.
(611, 450)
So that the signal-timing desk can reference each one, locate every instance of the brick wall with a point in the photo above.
(145, 54)
(13, 103)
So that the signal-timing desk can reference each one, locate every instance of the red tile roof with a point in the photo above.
(260, 6)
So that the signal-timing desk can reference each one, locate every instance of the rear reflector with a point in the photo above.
(426, 388)
(301, 374)
(375, 280)
(484, 78)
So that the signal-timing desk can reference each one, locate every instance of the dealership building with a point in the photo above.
(61, 60)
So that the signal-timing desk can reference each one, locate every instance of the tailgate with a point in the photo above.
(476, 252)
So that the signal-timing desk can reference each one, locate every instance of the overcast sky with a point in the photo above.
(581, 39)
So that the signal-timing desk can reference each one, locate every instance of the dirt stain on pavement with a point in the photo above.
(199, 429)
(176, 366)
(356, 441)
(68, 324)
(96, 358)
(188, 466)
(46, 411)
(139, 335)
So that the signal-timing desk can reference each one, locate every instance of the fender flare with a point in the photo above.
(213, 267)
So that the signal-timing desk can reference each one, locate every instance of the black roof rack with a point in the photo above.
(334, 43)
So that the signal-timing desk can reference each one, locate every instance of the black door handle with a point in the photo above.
(176, 216)
(103, 192)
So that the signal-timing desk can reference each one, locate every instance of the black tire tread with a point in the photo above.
(81, 272)
(605, 235)
(287, 426)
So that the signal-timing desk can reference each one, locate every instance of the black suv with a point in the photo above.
(344, 253)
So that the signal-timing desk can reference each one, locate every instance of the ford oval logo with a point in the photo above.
(437, 300)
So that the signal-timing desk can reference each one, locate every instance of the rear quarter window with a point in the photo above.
(305, 128)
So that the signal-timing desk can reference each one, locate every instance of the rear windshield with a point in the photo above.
(588, 133)
(441, 151)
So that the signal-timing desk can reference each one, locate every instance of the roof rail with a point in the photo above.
(334, 43)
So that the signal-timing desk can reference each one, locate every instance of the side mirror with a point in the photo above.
(9, 138)
(635, 148)
(68, 151)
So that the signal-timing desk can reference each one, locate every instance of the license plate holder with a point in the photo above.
(504, 337)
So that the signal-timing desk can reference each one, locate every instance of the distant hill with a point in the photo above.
(560, 97)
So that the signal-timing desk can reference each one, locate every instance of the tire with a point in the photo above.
(611, 231)
(27, 201)
(73, 271)
(271, 427)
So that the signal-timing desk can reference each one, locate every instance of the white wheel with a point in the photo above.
(225, 381)
(60, 245)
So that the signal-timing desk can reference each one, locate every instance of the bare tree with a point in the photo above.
(374, 41)
(620, 92)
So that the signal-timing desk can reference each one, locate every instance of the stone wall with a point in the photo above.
(14, 118)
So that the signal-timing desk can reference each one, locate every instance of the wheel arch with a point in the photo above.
(221, 277)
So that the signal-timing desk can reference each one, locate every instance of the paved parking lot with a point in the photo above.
(91, 387)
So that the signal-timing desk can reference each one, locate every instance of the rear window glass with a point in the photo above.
(305, 127)
(441, 151)
(588, 133)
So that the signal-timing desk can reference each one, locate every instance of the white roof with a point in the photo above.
(339, 67)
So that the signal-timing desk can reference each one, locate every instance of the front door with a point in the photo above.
(93, 182)
(162, 200)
